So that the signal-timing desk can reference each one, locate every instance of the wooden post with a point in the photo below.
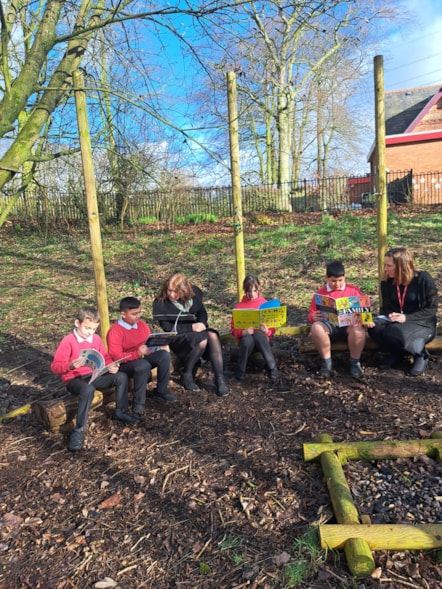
(381, 171)
(383, 536)
(378, 450)
(357, 552)
(236, 182)
(92, 204)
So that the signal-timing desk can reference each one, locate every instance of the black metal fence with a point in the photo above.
(328, 194)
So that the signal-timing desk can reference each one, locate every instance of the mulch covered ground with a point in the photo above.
(211, 492)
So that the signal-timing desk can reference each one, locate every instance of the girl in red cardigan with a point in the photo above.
(252, 339)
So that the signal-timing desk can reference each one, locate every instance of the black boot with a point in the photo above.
(188, 383)
(221, 386)
(420, 363)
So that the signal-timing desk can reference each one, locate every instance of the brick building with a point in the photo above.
(413, 126)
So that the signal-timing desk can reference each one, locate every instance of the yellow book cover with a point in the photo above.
(272, 317)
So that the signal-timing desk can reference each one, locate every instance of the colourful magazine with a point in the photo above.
(345, 311)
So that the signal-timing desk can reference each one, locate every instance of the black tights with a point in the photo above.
(214, 351)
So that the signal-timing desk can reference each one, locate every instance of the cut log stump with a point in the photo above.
(59, 414)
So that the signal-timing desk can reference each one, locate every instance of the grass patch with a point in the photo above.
(233, 545)
(308, 558)
(49, 276)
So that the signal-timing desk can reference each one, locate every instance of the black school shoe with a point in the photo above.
(76, 440)
(355, 369)
(239, 374)
(120, 415)
(273, 374)
(139, 410)
(326, 369)
(165, 397)
(420, 364)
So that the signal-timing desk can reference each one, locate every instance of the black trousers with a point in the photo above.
(81, 388)
(260, 342)
(399, 338)
(141, 369)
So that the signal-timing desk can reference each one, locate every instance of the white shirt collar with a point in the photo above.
(123, 323)
(82, 339)
(330, 289)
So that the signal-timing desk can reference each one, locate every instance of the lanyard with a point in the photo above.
(400, 298)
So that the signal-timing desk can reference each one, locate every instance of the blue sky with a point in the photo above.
(413, 52)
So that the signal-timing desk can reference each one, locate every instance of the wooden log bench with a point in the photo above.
(305, 344)
(59, 414)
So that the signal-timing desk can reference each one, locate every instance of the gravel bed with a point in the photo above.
(397, 491)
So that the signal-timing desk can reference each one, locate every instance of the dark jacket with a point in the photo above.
(165, 313)
(420, 305)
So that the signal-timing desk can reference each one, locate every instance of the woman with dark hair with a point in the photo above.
(408, 311)
(179, 307)
(251, 339)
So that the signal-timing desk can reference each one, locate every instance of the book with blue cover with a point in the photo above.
(96, 362)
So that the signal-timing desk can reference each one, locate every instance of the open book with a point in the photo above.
(94, 359)
(344, 311)
(163, 338)
(271, 313)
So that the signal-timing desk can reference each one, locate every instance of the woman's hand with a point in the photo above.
(398, 317)
(114, 368)
(248, 331)
(198, 326)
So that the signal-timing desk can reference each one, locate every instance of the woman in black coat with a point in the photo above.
(179, 307)
(408, 311)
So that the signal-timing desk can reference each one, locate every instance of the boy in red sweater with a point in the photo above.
(253, 339)
(323, 334)
(69, 363)
(127, 337)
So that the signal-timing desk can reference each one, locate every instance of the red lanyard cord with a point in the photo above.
(401, 298)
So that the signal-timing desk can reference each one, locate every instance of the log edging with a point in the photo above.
(354, 533)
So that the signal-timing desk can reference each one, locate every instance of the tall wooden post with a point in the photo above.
(381, 171)
(236, 182)
(92, 204)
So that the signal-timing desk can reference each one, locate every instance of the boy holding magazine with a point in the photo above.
(70, 363)
(127, 337)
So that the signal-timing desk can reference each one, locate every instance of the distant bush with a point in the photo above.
(260, 219)
(147, 220)
(196, 219)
